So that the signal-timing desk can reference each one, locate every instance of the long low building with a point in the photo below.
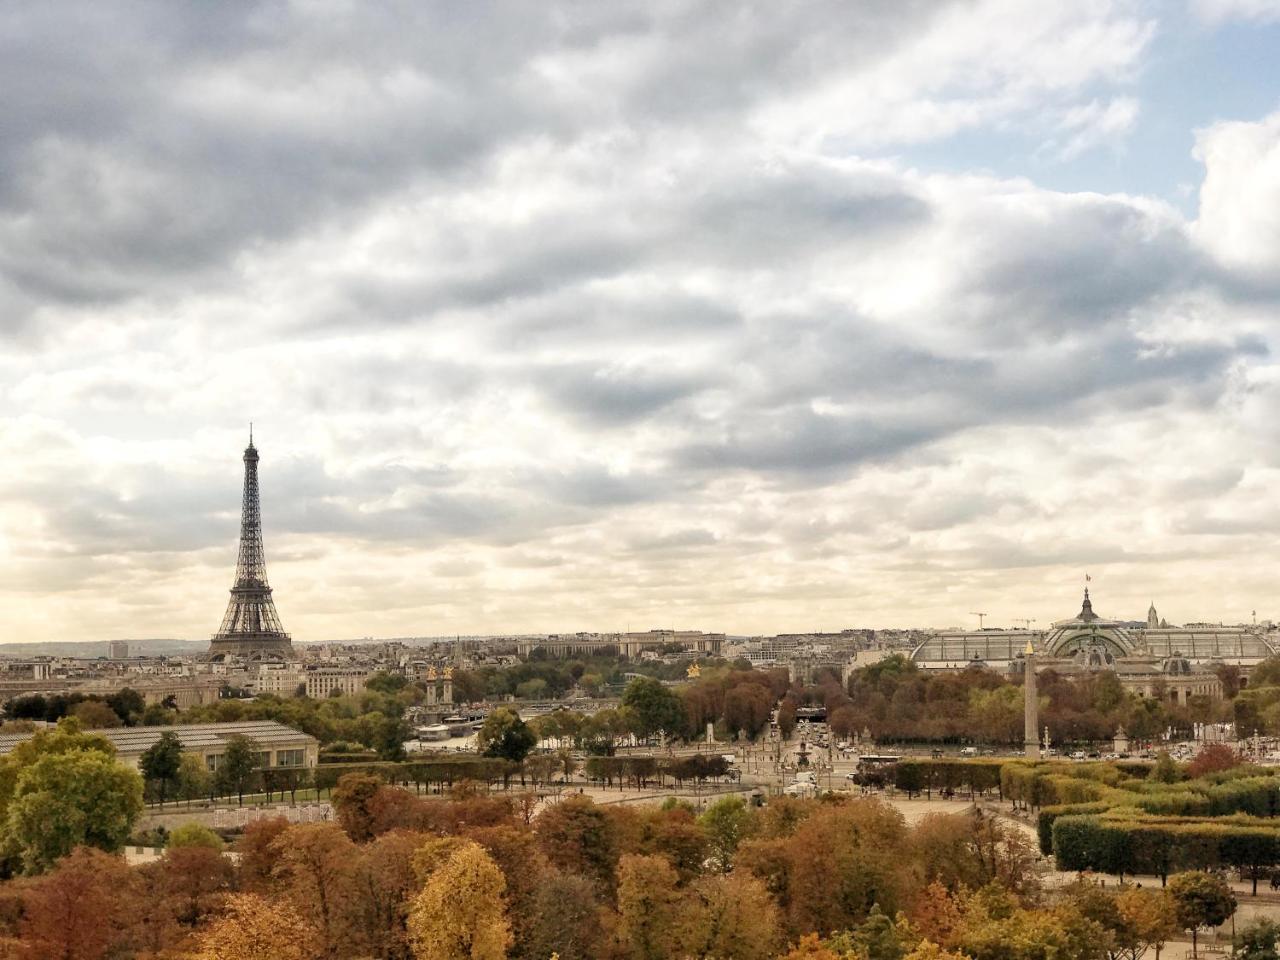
(278, 745)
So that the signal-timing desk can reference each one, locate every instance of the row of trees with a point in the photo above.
(894, 700)
(1129, 843)
(738, 703)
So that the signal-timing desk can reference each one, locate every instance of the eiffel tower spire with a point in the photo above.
(251, 627)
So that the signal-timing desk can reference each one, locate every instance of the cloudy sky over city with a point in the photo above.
(595, 316)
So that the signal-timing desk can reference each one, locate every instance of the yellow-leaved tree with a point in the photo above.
(255, 928)
(461, 912)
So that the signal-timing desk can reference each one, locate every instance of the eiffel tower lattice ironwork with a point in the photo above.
(251, 627)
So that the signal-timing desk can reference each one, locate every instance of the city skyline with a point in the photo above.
(616, 318)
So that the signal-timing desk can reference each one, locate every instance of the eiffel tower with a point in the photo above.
(251, 627)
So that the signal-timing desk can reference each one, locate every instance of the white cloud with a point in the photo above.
(1240, 199)
(1087, 126)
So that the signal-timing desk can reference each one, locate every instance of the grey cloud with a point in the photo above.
(799, 440)
(615, 395)
(181, 136)
(1086, 265)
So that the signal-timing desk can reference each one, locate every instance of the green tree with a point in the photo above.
(63, 801)
(128, 705)
(655, 708)
(388, 738)
(1166, 770)
(877, 938)
(383, 682)
(68, 737)
(727, 822)
(161, 763)
(157, 715)
(1257, 941)
(194, 779)
(1200, 900)
(194, 835)
(503, 734)
(534, 689)
(237, 766)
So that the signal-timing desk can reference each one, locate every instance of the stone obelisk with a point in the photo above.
(1031, 707)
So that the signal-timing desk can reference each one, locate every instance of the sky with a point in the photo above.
(747, 317)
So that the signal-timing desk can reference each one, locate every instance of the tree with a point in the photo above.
(811, 947)
(516, 852)
(383, 682)
(1032, 935)
(385, 884)
(63, 801)
(256, 929)
(351, 801)
(128, 704)
(95, 715)
(503, 734)
(388, 738)
(161, 764)
(648, 907)
(258, 854)
(158, 715)
(732, 916)
(566, 919)
(654, 708)
(727, 822)
(194, 780)
(194, 881)
(579, 837)
(1166, 770)
(1257, 941)
(194, 835)
(1200, 900)
(1266, 673)
(316, 863)
(534, 689)
(935, 913)
(459, 915)
(838, 863)
(1212, 758)
(1148, 920)
(67, 738)
(78, 910)
(747, 707)
(877, 938)
(237, 766)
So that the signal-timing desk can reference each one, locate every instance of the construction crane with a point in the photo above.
(1025, 621)
(981, 617)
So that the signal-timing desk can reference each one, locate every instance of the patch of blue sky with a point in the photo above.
(1193, 75)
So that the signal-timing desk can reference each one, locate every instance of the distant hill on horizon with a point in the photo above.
(98, 648)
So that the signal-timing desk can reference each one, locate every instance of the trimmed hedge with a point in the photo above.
(1049, 815)
(1126, 842)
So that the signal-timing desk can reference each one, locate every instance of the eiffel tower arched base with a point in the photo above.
(250, 647)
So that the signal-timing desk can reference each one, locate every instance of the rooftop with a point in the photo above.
(131, 741)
